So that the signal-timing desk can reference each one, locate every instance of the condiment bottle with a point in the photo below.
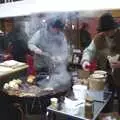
(89, 108)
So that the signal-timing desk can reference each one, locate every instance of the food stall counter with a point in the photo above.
(97, 108)
(10, 67)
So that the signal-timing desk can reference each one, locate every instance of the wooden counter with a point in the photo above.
(9, 73)
(11, 70)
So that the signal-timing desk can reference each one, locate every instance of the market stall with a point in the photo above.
(31, 98)
(72, 112)
(89, 97)
(11, 69)
(34, 99)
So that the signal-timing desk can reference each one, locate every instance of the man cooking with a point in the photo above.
(51, 51)
(105, 43)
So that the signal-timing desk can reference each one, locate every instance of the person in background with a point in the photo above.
(17, 42)
(85, 36)
(105, 43)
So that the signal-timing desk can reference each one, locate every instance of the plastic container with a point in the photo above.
(97, 82)
(74, 107)
(80, 91)
(54, 102)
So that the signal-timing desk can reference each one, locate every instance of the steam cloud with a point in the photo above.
(54, 45)
(60, 77)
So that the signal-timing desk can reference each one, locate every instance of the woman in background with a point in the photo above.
(85, 37)
(17, 40)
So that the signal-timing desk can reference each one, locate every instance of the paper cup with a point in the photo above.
(80, 92)
(54, 102)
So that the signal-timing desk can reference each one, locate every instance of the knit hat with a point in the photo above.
(106, 22)
(56, 24)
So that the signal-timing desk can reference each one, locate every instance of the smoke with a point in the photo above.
(54, 44)
(90, 14)
(38, 21)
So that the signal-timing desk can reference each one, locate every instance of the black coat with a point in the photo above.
(18, 41)
(85, 38)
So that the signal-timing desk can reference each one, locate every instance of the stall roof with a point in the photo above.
(27, 7)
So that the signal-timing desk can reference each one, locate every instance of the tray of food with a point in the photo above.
(23, 89)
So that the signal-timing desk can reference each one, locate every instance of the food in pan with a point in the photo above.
(17, 81)
(30, 78)
(6, 86)
(13, 85)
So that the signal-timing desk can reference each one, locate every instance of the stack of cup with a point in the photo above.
(80, 91)
(54, 102)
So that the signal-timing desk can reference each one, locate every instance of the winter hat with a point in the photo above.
(56, 24)
(106, 22)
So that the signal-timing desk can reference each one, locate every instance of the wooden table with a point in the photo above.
(6, 76)
(12, 70)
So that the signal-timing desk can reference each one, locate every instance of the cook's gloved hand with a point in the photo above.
(85, 66)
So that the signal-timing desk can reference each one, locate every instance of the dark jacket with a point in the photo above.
(85, 38)
(101, 45)
(18, 41)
